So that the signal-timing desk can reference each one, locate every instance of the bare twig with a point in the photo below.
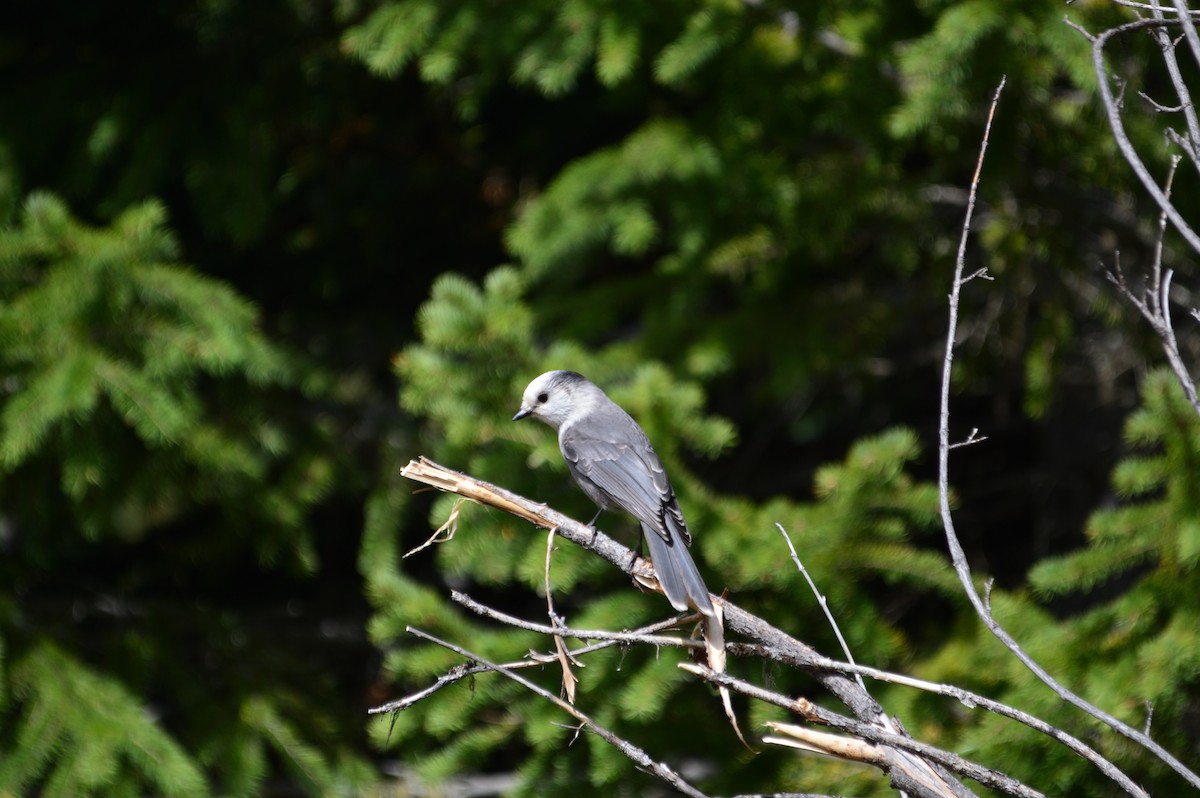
(645, 634)
(565, 661)
(1155, 302)
(971, 439)
(824, 602)
(443, 533)
(559, 630)
(1113, 110)
(1167, 47)
(958, 556)
(884, 721)
(1145, 6)
(1185, 21)
(1159, 107)
(879, 757)
(636, 754)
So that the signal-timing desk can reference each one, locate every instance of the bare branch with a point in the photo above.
(637, 755)
(1155, 302)
(560, 630)
(958, 556)
(565, 661)
(1159, 107)
(1146, 6)
(647, 635)
(1113, 111)
(534, 659)
(967, 698)
(879, 757)
(1167, 47)
(737, 620)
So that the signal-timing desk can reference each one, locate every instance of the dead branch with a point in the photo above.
(533, 659)
(637, 755)
(787, 648)
(736, 619)
(958, 556)
(649, 635)
(1155, 305)
(886, 745)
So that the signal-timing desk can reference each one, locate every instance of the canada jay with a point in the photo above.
(612, 460)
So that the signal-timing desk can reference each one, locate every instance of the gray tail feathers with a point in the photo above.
(676, 572)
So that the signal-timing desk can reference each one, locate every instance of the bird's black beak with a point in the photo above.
(521, 414)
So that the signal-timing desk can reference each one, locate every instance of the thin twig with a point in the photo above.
(535, 659)
(639, 757)
(883, 720)
(1155, 303)
(569, 679)
(824, 602)
(1167, 47)
(560, 630)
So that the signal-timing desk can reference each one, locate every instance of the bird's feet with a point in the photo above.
(637, 555)
(595, 529)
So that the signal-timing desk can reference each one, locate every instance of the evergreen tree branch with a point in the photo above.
(958, 556)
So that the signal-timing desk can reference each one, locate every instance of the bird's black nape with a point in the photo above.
(568, 377)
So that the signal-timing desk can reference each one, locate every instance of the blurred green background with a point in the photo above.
(256, 256)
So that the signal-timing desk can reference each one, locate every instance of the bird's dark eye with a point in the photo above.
(542, 398)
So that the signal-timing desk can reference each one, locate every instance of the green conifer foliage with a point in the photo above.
(111, 350)
(138, 444)
(81, 733)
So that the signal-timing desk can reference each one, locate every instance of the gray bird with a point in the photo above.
(612, 460)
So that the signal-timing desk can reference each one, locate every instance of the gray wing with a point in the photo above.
(612, 460)
(625, 470)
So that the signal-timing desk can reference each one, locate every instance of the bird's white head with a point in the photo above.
(555, 396)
